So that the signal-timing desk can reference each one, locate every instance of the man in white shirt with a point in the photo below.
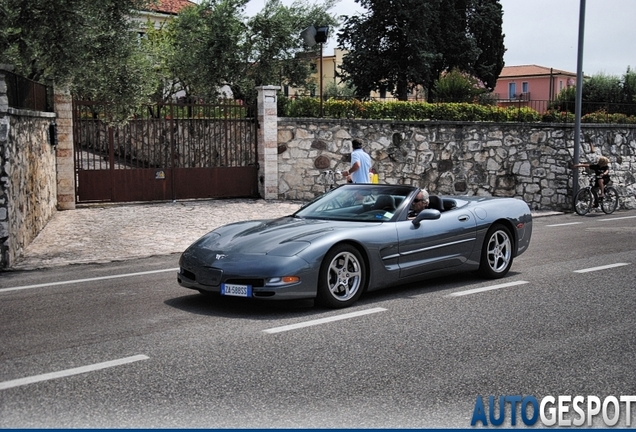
(360, 164)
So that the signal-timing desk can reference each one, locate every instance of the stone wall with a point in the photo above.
(529, 161)
(28, 193)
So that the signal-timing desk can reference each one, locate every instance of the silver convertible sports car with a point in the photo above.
(357, 238)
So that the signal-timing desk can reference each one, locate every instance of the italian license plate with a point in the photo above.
(236, 290)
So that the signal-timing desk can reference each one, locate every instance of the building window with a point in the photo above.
(512, 90)
(524, 87)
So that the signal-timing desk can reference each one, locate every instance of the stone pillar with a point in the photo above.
(64, 152)
(268, 142)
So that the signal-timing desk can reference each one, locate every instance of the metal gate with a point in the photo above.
(166, 152)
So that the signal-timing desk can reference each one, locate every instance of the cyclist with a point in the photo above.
(601, 170)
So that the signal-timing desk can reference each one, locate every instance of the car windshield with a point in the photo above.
(371, 203)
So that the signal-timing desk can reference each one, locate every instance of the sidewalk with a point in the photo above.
(116, 232)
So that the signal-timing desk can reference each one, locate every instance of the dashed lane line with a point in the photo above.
(564, 224)
(70, 372)
(487, 288)
(323, 320)
(75, 281)
(605, 267)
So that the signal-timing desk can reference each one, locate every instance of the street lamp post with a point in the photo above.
(312, 35)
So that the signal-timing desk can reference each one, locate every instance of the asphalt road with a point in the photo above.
(93, 346)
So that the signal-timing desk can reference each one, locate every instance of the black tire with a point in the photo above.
(342, 277)
(496, 253)
(583, 202)
(610, 200)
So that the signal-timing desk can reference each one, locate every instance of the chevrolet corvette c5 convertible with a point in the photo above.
(357, 238)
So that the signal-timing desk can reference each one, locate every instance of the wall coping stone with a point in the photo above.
(29, 113)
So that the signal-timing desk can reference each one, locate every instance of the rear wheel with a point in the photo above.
(610, 200)
(342, 277)
(583, 202)
(496, 253)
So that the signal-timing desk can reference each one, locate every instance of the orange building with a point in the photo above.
(531, 85)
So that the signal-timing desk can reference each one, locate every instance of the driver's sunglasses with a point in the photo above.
(418, 200)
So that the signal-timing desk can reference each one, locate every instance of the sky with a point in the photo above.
(546, 33)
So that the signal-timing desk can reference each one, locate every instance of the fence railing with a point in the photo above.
(24, 93)
(542, 106)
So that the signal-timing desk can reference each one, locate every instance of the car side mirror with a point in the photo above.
(426, 214)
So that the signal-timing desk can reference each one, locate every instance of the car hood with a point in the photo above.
(285, 236)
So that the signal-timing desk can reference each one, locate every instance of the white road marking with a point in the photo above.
(69, 372)
(488, 288)
(323, 320)
(86, 280)
(605, 267)
(564, 224)
(618, 218)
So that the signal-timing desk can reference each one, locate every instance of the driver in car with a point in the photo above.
(419, 203)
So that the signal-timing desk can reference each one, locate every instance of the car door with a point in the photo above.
(436, 244)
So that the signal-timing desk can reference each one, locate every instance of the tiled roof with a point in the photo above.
(531, 70)
(171, 7)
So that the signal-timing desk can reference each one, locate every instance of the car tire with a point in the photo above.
(496, 253)
(342, 277)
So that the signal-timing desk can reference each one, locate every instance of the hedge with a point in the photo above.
(423, 111)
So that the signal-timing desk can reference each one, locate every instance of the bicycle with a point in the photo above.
(587, 198)
(328, 179)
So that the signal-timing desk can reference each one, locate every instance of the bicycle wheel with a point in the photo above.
(610, 201)
(583, 201)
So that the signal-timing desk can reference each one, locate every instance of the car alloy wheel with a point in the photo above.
(496, 256)
(342, 277)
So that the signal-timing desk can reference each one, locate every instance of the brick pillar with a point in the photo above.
(64, 152)
(268, 142)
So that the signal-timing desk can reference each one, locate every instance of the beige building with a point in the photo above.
(330, 68)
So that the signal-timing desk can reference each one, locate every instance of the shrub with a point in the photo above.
(422, 111)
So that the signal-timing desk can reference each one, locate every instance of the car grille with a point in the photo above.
(209, 276)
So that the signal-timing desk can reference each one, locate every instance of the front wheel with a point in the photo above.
(496, 254)
(610, 200)
(342, 277)
(583, 202)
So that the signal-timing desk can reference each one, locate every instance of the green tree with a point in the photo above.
(216, 45)
(55, 40)
(336, 91)
(208, 43)
(601, 92)
(275, 45)
(399, 45)
(602, 88)
(629, 86)
(158, 44)
(457, 86)
(88, 45)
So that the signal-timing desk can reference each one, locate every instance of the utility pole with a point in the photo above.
(579, 99)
